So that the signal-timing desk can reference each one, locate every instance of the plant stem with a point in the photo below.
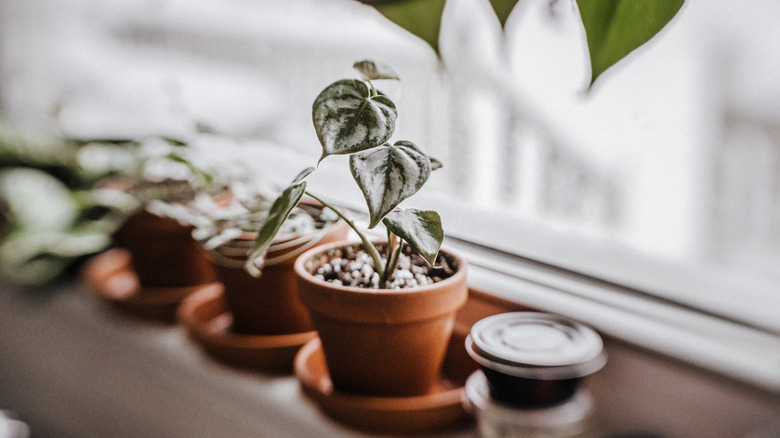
(392, 259)
(370, 248)
(392, 239)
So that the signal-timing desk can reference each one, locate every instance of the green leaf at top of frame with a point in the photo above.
(421, 229)
(389, 174)
(280, 210)
(615, 28)
(422, 18)
(503, 8)
(349, 116)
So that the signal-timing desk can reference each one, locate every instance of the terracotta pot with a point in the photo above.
(163, 252)
(382, 342)
(269, 304)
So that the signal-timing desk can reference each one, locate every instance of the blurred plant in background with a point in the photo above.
(49, 216)
(62, 199)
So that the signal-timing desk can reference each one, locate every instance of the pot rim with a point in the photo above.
(287, 245)
(378, 306)
(459, 275)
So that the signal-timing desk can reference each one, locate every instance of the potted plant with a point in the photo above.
(385, 323)
(157, 263)
(265, 304)
(251, 321)
(162, 251)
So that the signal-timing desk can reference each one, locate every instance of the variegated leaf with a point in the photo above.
(349, 118)
(389, 174)
(370, 70)
(302, 175)
(420, 229)
(435, 163)
(278, 213)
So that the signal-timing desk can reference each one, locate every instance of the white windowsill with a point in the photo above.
(667, 322)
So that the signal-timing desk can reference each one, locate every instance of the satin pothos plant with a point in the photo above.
(351, 117)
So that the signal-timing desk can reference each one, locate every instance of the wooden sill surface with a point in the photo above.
(72, 368)
(642, 393)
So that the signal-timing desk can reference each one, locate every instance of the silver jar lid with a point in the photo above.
(536, 345)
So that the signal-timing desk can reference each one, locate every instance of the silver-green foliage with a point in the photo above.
(352, 118)
(388, 174)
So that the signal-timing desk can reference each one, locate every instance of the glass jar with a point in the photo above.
(532, 365)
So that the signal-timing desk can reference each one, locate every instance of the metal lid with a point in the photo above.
(536, 345)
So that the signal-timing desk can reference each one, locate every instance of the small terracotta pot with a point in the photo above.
(163, 252)
(269, 304)
(382, 342)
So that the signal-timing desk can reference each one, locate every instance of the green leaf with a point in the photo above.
(304, 173)
(435, 163)
(370, 70)
(503, 8)
(614, 28)
(420, 17)
(389, 174)
(278, 213)
(350, 117)
(174, 141)
(420, 229)
(208, 178)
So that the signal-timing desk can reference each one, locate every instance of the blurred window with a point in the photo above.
(664, 178)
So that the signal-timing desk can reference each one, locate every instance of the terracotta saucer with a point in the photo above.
(205, 316)
(110, 275)
(438, 410)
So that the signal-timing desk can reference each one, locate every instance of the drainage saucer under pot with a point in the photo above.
(111, 277)
(440, 409)
(208, 322)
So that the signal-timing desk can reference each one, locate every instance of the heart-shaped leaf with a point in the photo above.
(420, 17)
(278, 213)
(420, 229)
(389, 174)
(350, 117)
(370, 70)
(614, 28)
